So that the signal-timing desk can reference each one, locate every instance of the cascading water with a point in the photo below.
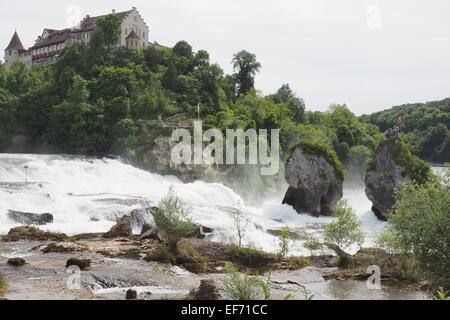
(87, 195)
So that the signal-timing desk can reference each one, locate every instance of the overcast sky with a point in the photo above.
(370, 55)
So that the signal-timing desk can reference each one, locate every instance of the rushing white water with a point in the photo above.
(87, 195)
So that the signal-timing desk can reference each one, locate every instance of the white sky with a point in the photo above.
(329, 51)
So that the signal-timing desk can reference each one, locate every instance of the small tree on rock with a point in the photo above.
(172, 220)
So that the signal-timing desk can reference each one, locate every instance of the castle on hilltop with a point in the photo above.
(135, 35)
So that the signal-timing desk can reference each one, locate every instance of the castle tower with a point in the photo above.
(12, 51)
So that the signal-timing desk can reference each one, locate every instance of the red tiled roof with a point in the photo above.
(15, 43)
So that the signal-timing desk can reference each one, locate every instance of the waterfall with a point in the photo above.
(87, 195)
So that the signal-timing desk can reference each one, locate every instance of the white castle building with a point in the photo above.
(135, 35)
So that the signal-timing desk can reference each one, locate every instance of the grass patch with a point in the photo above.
(322, 150)
(250, 257)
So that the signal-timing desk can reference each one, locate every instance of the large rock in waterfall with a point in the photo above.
(392, 165)
(27, 218)
(315, 177)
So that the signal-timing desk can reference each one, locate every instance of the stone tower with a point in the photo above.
(13, 50)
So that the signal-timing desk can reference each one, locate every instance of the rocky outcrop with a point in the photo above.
(392, 165)
(206, 292)
(140, 217)
(33, 234)
(16, 262)
(62, 247)
(27, 218)
(121, 229)
(315, 184)
(131, 294)
(149, 233)
(83, 264)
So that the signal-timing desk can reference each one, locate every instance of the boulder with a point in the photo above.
(33, 234)
(131, 294)
(149, 233)
(392, 165)
(206, 292)
(140, 217)
(315, 184)
(27, 218)
(81, 263)
(16, 262)
(200, 231)
(121, 229)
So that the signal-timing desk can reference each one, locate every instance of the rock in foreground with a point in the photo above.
(33, 234)
(16, 262)
(315, 179)
(206, 292)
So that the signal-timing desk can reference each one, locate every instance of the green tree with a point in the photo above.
(172, 220)
(421, 227)
(183, 49)
(284, 242)
(245, 67)
(108, 31)
(170, 78)
(344, 231)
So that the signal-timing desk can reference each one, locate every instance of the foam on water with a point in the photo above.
(79, 192)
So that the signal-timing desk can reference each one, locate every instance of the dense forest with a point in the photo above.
(92, 100)
(427, 127)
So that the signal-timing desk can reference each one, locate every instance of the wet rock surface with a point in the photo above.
(33, 234)
(314, 185)
(27, 218)
(122, 228)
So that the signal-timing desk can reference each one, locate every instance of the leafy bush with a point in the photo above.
(421, 227)
(323, 151)
(313, 244)
(345, 230)
(172, 220)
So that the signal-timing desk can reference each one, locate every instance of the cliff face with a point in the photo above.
(315, 185)
(392, 165)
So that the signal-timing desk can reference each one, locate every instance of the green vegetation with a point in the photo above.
(420, 228)
(240, 220)
(344, 231)
(427, 127)
(417, 169)
(313, 244)
(323, 151)
(441, 294)
(284, 242)
(250, 257)
(96, 100)
(172, 220)
(241, 286)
